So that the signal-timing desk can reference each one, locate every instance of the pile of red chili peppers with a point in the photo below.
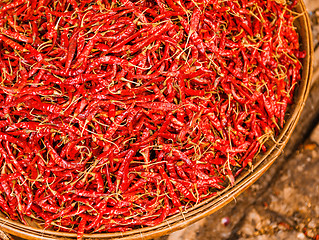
(119, 114)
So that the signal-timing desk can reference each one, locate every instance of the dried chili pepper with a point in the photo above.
(159, 103)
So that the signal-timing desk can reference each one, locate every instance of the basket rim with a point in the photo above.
(210, 205)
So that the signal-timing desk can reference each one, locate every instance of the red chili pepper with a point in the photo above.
(138, 46)
(16, 36)
(59, 161)
(116, 115)
(71, 50)
(11, 43)
(185, 192)
(164, 214)
(12, 5)
(123, 170)
(81, 59)
(10, 177)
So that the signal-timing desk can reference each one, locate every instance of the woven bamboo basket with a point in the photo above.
(205, 208)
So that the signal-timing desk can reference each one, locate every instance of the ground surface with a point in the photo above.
(284, 202)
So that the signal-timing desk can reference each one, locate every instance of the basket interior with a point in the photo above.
(262, 162)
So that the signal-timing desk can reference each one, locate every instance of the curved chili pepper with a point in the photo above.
(157, 103)
(11, 43)
(12, 5)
